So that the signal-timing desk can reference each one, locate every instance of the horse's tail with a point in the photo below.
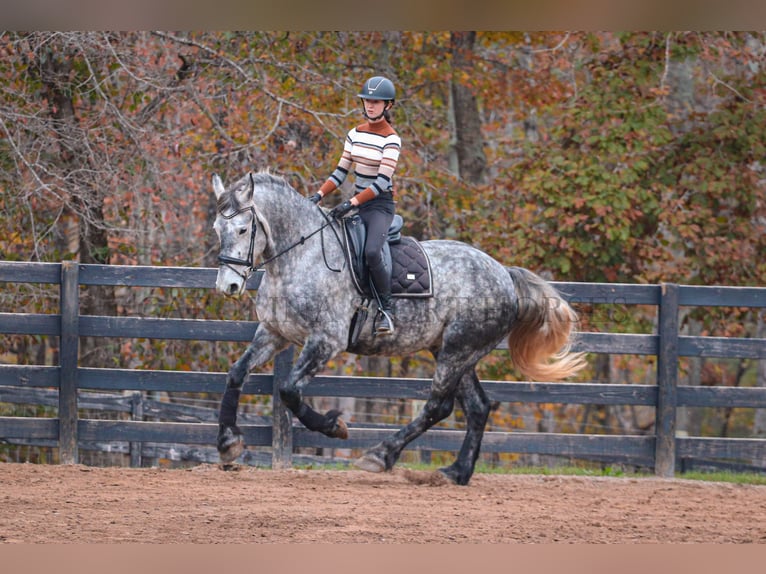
(543, 329)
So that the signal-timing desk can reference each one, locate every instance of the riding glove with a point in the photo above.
(341, 210)
(316, 198)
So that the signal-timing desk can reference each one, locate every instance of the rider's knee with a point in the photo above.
(373, 257)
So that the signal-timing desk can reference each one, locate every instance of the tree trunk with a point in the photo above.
(79, 164)
(468, 142)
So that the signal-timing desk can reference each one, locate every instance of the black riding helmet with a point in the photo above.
(378, 88)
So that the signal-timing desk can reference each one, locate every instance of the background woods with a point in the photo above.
(634, 158)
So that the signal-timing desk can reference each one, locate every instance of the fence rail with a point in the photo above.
(73, 385)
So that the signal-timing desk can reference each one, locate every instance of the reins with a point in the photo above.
(301, 241)
(248, 263)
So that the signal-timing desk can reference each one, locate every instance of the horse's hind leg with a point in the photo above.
(383, 456)
(264, 345)
(438, 407)
(476, 407)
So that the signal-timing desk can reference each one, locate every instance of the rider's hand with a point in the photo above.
(316, 198)
(341, 210)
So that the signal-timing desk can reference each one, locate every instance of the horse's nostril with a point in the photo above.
(233, 288)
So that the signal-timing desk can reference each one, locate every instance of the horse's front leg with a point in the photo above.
(316, 352)
(264, 345)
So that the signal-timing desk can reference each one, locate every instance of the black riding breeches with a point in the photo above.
(377, 215)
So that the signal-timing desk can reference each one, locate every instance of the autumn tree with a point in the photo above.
(632, 157)
(82, 153)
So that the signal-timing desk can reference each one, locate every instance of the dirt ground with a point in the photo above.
(79, 504)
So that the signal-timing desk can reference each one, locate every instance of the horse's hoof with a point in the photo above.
(341, 430)
(338, 428)
(370, 463)
(230, 448)
(449, 474)
(442, 477)
(232, 453)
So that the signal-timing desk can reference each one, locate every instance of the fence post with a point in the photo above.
(69, 343)
(282, 425)
(667, 381)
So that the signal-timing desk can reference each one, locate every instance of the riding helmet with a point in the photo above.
(378, 88)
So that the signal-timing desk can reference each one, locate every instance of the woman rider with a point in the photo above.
(373, 147)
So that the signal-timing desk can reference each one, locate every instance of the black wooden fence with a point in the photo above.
(73, 385)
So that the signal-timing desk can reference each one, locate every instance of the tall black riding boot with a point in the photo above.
(381, 279)
(385, 325)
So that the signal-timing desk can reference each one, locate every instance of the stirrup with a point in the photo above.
(386, 324)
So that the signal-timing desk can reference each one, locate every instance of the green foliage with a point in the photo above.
(625, 185)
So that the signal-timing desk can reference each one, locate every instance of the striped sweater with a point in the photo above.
(374, 150)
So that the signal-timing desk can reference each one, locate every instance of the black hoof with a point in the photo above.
(454, 475)
(231, 444)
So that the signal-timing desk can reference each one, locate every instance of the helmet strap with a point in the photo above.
(383, 113)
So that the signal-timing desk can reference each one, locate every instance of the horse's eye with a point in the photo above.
(242, 230)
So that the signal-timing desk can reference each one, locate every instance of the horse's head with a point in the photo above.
(242, 231)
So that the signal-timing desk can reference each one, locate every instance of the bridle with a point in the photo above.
(248, 263)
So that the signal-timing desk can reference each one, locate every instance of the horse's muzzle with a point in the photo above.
(232, 289)
(229, 282)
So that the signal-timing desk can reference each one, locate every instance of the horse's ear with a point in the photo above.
(218, 186)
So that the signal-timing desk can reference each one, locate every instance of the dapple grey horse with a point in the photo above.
(307, 298)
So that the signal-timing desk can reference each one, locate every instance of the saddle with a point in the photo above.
(403, 256)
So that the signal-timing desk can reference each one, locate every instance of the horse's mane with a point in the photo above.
(265, 177)
(229, 202)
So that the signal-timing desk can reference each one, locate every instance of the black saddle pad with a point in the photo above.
(404, 256)
(410, 270)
